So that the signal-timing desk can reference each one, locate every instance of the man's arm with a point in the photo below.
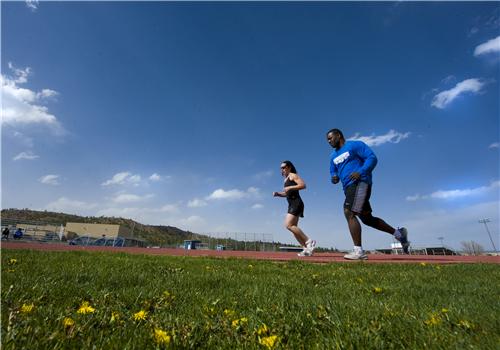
(369, 158)
(333, 172)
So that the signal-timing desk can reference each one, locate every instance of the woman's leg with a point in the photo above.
(291, 222)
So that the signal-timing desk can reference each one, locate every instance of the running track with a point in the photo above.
(274, 256)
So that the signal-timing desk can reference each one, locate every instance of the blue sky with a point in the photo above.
(180, 113)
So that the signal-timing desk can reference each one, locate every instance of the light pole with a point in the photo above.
(441, 239)
(485, 221)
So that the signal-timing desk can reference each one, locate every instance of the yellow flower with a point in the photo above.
(68, 322)
(423, 264)
(377, 290)
(263, 330)
(26, 309)
(444, 311)
(161, 337)
(239, 322)
(250, 266)
(12, 261)
(269, 342)
(140, 316)
(85, 308)
(114, 316)
(433, 321)
(465, 324)
(229, 312)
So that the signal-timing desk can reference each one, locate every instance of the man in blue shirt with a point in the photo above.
(352, 163)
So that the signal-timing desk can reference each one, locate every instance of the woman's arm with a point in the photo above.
(300, 184)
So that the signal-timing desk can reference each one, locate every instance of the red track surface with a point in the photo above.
(275, 256)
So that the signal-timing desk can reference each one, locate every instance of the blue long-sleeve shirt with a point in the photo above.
(353, 156)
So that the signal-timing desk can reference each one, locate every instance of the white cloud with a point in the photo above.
(233, 194)
(450, 79)
(191, 223)
(22, 139)
(444, 98)
(392, 137)
(263, 175)
(26, 155)
(223, 194)
(196, 203)
(22, 107)
(119, 212)
(32, 4)
(21, 75)
(453, 194)
(494, 145)
(257, 206)
(67, 205)
(473, 31)
(491, 46)
(155, 177)
(140, 213)
(49, 180)
(123, 178)
(169, 208)
(130, 198)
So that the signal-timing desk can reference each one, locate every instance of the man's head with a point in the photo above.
(335, 138)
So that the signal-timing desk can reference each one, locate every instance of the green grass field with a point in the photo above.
(90, 300)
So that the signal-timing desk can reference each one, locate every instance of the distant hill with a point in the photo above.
(154, 235)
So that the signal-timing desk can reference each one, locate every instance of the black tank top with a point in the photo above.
(291, 194)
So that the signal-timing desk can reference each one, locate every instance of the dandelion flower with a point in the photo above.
(465, 324)
(239, 322)
(229, 312)
(26, 309)
(269, 342)
(263, 330)
(161, 336)
(12, 261)
(444, 310)
(68, 322)
(433, 321)
(377, 290)
(85, 308)
(423, 264)
(140, 316)
(114, 316)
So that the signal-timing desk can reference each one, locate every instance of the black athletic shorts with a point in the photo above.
(296, 206)
(357, 197)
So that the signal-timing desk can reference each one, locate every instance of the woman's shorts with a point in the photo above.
(296, 207)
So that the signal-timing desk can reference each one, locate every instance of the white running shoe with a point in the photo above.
(305, 252)
(356, 256)
(310, 246)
